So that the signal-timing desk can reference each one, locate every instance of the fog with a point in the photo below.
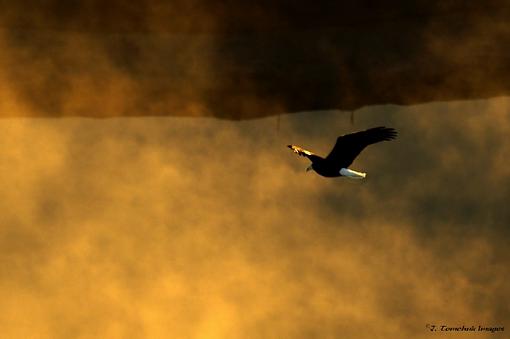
(160, 221)
(246, 60)
(202, 228)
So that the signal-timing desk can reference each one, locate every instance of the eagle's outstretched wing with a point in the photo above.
(349, 146)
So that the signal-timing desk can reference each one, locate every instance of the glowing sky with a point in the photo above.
(202, 228)
(185, 226)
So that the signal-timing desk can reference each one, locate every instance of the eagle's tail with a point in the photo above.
(300, 151)
(349, 173)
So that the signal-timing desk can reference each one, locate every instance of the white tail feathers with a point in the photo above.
(352, 174)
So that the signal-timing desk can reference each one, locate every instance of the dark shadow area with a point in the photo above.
(242, 60)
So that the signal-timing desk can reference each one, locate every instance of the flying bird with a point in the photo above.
(346, 149)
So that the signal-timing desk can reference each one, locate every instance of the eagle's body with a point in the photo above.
(346, 149)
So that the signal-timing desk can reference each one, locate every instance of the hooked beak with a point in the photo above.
(309, 168)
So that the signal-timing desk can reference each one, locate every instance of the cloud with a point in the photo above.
(241, 61)
(184, 227)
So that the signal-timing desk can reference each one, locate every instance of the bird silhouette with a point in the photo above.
(346, 149)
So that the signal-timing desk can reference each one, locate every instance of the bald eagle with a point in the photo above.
(346, 149)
